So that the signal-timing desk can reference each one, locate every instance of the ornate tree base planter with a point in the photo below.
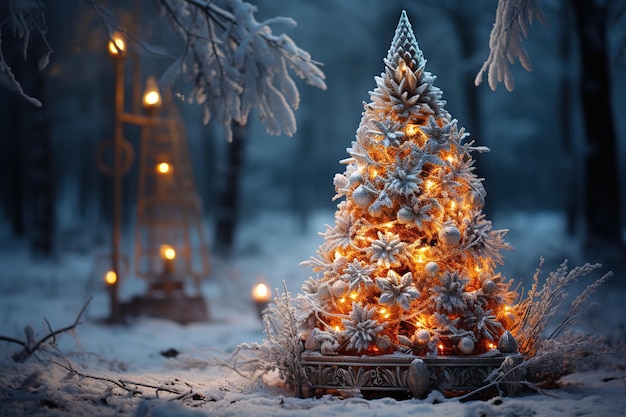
(402, 375)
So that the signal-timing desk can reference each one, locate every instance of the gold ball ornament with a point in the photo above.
(450, 236)
(465, 345)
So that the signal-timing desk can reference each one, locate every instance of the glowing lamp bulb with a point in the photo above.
(117, 45)
(261, 296)
(152, 97)
(110, 277)
(169, 253)
(163, 168)
(261, 292)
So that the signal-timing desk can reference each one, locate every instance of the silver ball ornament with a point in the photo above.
(405, 215)
(362, 196)
(450, 236)
(421, 337)
(431, 269)
(339, 288)
(465, 345)
(355, 177)
(489, 286)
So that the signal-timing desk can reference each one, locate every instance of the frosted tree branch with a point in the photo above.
(23, 18)
(513, 18)
(31, 345)
(237, 64)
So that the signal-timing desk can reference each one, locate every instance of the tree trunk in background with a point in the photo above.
(16, 170)
(461, 15)
(571, 177)
(602, 216)
(41, 175)
(227, 204)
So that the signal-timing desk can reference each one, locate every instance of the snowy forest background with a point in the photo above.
(534, 175)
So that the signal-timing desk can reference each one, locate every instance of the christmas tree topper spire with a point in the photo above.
(404, 47)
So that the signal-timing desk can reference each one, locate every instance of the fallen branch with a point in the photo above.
(129, 386)
(31, 346)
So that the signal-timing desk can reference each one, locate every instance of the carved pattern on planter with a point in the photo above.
(406, 373)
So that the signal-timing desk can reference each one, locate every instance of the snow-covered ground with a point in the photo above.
(192, 384)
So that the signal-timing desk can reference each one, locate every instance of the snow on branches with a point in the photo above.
(23, 18)
(236, 63)
(505, 42)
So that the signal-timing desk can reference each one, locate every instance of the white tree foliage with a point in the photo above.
(513, 17)
(236, 63)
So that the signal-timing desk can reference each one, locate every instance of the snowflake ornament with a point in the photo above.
(361, 329)
(388, 249)
(397, 290)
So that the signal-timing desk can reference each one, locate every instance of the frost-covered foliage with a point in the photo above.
(237, 64)
(410, 250)
(282, 347)
(541, 303)
(233, 62)
(24, 19)
(513, 17)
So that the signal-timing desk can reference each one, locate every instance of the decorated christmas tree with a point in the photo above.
(409, 264)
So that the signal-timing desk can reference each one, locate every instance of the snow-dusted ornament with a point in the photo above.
(383, 343)
(405, 215)
(421, 337)
(362, 196)
(507, 343)
(450, 236)
(465, 345)
(324, 291)
(431, 269)
(356, 177)
(489, 286)
(339, 288)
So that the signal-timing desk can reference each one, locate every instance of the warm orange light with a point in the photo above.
(152, 97)
(163, 168)
(440, 346)
(429, 184)
(337, 328)
(421, 254)
(450, 158)
(411, 129)
(491, 346)
(342, 300)
(110, 277)
(452, 205)
(354, 295)
(261, 292)
(168, 252)
(117, 45)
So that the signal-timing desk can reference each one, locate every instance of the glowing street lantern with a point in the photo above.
(117, 46)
